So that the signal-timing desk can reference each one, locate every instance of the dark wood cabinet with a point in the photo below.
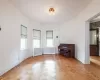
(67, 50)
(94, 50)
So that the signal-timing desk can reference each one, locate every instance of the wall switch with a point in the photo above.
(56, 36)
(0, 28)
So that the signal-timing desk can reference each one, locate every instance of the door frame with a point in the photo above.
(87, 38)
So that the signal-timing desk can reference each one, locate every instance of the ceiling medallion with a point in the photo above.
(51, 11)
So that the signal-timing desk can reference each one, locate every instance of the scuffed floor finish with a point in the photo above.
(53, 67)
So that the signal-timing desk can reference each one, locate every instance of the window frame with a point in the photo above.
(49, 38)
(35, 38)
(25, 37)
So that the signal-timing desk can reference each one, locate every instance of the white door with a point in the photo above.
(37, 50)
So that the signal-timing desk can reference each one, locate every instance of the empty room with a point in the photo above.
(50, 40)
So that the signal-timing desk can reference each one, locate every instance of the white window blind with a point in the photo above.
(24, 31)
(23, 37)
(36, 34)
(49, 34)
(36, 38)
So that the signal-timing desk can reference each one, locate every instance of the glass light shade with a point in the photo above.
(51, 11)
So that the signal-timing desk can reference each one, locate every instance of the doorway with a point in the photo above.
(94, 42)
(95, 19)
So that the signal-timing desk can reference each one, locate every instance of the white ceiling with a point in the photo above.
(38, 9)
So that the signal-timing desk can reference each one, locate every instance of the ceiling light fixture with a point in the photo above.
(51, 11)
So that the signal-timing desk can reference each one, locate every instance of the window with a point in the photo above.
(36, 38)
(23, 37)
(49, 38)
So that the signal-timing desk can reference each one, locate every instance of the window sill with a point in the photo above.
(51, 47)
(23, 49)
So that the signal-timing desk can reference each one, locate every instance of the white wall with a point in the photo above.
(76, 31)
(10, 21)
